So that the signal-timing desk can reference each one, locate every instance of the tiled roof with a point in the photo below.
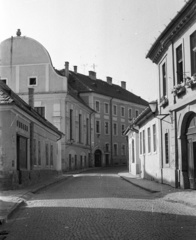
(83, 83)
(7, 96)
(74, 94)
(142, 117)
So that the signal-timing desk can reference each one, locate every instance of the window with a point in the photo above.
(87, 131)
(81, 159)
(115, 129)
(106, 107)
(40, 110)
(115, 110)
(122, 129)
(154, 138)
(97, 106)
(34, 152)
(133, 151)
(75, 161)
(32, 81)
(4, 80)
(166, 148)
(70, 162)
(123, 149)
(71, 124)
(149, 140)
(80, 128)
(56, 110)
(164, 80)
(115, 149)
(130, 113)
(140, 142)
(84, 161)
(51, 155)
(193, 52)
(122, 111)
(144, 149)
(46, 152)
(39, 153)
(136, 113)
(179, 64)
(107, 147)
(97, 126)
(106, 128)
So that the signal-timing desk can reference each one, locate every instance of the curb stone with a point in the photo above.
(146, 189)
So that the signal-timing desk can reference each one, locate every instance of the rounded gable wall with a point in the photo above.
(22, 50)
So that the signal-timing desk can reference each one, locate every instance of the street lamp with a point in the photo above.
(153, 108)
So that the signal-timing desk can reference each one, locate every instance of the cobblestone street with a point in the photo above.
(98, 204)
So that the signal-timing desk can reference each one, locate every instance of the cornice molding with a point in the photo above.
(183, 19)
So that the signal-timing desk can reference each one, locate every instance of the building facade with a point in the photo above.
(174, 52)
(144, 146)
(114, 108)
(26, 63)
(28, 142)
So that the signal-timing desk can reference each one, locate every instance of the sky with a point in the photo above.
(110, 37)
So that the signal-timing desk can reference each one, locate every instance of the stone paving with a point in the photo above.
(99, 205)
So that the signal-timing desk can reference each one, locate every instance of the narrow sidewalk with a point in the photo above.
(11, 200)
(166, 192)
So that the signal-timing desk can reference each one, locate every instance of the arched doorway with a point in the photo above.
(98, 156)
(191, 150)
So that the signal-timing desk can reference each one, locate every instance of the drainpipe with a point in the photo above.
(161, 130)
(31, 104)
(111, 133)
(175, 124)
(91, 155)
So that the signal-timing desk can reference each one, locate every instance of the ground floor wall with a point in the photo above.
(27, 149)
(76, 157)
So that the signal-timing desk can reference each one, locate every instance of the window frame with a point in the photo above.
(106, 108)
(115, 149)
(97, 121)
(179, 64)
(115, 132)
(108, 127)
(37, 110)
(130, 115)
(115, 111)
(164, 79)
(133, 150)
(154, 132)
(122, 111)
(97, 107)
(193, 55)
(32, 85)
(166, 142)
(149, 139)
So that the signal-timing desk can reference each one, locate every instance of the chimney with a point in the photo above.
(31, 97)
(109, 80)
(75, 70)
(123, 84)
(92, 75)
(18, 33)
(67, 69)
